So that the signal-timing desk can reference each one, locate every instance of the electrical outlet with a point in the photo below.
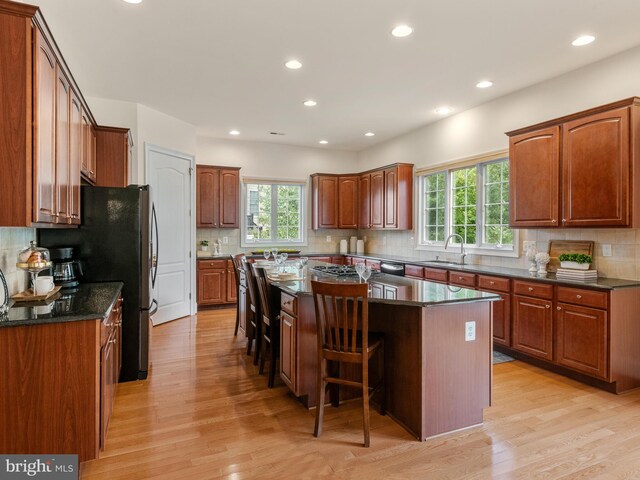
(606, 250)
(225, 240)
(384, 240)
(527, 244)
(365, 238)
(469, 331)
(328, 238)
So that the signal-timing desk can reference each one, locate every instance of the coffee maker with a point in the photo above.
(65, 267)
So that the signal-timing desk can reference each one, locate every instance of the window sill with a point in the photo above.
(511, 252)
(261, 245)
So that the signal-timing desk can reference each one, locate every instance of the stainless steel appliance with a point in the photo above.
(117, 241)
(65, 267)
(392, 268)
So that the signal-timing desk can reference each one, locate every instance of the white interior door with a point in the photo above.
(169, 175)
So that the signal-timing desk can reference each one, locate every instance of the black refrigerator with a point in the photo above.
(117, 241)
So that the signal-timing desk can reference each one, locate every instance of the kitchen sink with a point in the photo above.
(445, 262)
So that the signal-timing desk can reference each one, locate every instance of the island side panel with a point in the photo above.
(403, 331)
(624, 332)
(457, 373)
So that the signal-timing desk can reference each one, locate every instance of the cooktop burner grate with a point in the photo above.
(339, 270)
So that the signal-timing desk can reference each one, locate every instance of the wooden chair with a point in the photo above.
(254, 321)
(237, 261)
(342, 320)
(270, 305)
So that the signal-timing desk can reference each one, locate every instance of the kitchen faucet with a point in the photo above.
(462, 252)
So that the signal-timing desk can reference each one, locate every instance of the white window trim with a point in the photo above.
(512, 251)
(272, 243)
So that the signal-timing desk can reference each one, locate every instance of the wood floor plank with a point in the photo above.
(205, 413)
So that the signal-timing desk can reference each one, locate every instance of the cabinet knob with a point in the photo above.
(113, 340)
(548, 306)
(558, 308)
(564, 220)
(553, 221)
(492, 283)
(578, 297)
(531, 289)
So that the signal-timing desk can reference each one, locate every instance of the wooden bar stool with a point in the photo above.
(254, 323)
(269, 304)
(342, 320)
(237, 261)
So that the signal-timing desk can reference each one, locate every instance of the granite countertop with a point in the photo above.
(88, 302)
(391, 289)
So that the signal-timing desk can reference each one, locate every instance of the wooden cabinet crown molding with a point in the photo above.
(18, 9)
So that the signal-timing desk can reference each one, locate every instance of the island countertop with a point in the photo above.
(89, 301)
(391, 289)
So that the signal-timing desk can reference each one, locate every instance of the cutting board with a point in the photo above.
(558, 247)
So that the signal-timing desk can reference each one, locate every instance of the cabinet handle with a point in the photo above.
(548, 306)
(553, 221)
(578, 297)
(92, 172)
(564, 220)
(492, 283)
(531, 289)
(113, 340)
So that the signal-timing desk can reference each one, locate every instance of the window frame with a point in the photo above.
(480, 247)
(244, 206)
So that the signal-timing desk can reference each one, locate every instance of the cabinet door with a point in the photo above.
(212, 286)
(63, 100)
(581, 341)
(229, 198)
(325, 197)
(207, 182)
(364, 203)
(75, 158)
(288, 350)
(107, 390)
(44, 160)
(501, 312)
(232, 289)
(377, 199)
(534, 164)
(596, 165)
(348, 202)
(391, 198)
(88, 147)
(93, 155)
(533, 327)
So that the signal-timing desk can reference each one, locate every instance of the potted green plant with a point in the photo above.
(575, 261)
(204, 245)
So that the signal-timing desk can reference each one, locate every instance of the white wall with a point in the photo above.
(481, 129)
(12, 241)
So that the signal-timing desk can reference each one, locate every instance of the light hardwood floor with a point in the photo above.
(205, 413)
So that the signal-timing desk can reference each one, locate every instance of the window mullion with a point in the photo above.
(274, 212)
(480, 205)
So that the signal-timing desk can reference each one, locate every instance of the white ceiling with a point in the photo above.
(219, 64)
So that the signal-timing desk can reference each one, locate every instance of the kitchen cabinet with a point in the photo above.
(436, 275)
(324, 194)
(413, 271)
(110, 355)
(533, 326)
(288, 349)
(88, 168)
(348, 198)
(462, 279)
(217, 197)
(76, 150)
(232, 288)
(63, 98)
(113, 156)
(582, 166)
(381, 198)
(212, 282)
(501, 310)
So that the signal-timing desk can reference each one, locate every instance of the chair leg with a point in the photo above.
(365, 402)
(320, 399)
(273, 358)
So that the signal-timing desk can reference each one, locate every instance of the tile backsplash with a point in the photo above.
(624, 262)
(12, 240)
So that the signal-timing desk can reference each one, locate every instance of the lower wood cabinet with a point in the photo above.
(501, 312)
(216, 282)
(581, 339)
(533, 326)
(110, 362)
(288, 349)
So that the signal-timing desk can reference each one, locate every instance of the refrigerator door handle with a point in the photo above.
(154, 255)
(153, 309)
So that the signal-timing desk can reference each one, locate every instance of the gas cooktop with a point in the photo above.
(339, 270)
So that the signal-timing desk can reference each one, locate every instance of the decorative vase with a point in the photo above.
(575, 265)
(533, 268)
(204, 248)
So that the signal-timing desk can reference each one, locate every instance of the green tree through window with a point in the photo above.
(274, 213)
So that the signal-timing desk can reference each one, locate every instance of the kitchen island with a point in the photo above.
(438, 348)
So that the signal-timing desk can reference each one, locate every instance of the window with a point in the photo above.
(273, 213)
(472, 202)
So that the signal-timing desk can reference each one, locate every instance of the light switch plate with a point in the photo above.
(328, 238)
(469, 331)
(606, 250)
(225, 240)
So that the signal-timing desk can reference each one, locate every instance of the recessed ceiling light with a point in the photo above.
(133, 1)
(583, 40)
(369, 134)
(484, 84)
(443, 110)
(310, 103)
(323, 142)
(402, 31)
(293, 64)
(234, 132)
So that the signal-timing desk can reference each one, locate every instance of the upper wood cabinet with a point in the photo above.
(579, 170)
(217, 197)
(113, 156)
(41, 109)
(381, 198)
(88, 168)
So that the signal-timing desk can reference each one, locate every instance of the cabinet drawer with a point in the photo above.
(374, 264)
(498, 284)
(531, 289)
(289, 303)
(578, 296)
(207, 264)
(413, 271)
(463, 279)
(436, 274)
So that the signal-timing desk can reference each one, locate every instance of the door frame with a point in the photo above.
(148, 148)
